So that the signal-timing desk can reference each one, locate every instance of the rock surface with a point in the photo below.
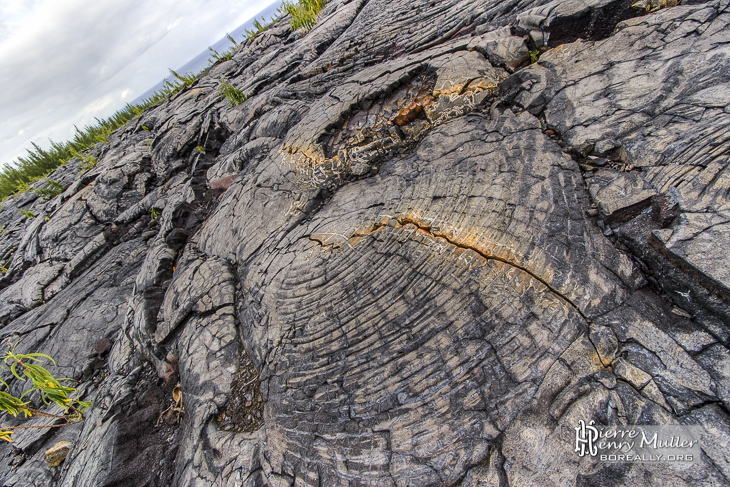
(410, 258)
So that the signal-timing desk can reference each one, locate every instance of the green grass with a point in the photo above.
(219, 58)
(258, 29)
(187, 79)
(27, 213)
(231, 93)
(230, 38)
(264, 25)
(304, 13)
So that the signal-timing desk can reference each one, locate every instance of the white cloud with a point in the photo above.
(174, 23)
(63, 62)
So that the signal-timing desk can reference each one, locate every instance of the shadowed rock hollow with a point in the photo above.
(410, 258)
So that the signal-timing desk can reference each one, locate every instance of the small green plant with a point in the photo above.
(27, 213)
(155, 213)
(187, 79)
(258, 29)
(53, 188)
(200, 149)
(230, 38)
(303, 13)
(88, 162)
(534, 55)
(217, 58)
(22, 188)
(4, 270)
(231, 93)
(2, 230)
(26, 366)
(145, 128)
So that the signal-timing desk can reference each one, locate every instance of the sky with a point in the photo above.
(64, 62)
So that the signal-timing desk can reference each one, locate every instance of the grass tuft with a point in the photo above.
(187, 79)
(231, 93)
(219, 58)
(27, 213)
(258, 29)
(230, 38)
(304, 13)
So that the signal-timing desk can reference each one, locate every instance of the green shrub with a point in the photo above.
(231, 93)
(27, 366)
(53, 188)
(155, 213)
(258, 29)
(304, 13)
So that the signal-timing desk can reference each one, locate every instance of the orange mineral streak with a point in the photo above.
(466, 238)
(470, 239)
(413, 110)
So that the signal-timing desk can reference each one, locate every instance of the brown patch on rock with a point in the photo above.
(172, 374)
(245, 409)
(57, 453)
(223, 183)
(103, 346)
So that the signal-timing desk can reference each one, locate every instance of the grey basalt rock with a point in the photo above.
(410, 257)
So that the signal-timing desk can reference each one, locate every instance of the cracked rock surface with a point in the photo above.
(435, 237)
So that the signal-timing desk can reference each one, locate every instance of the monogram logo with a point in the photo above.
(585, 438)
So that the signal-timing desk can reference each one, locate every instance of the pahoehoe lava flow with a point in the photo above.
(432, 238)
